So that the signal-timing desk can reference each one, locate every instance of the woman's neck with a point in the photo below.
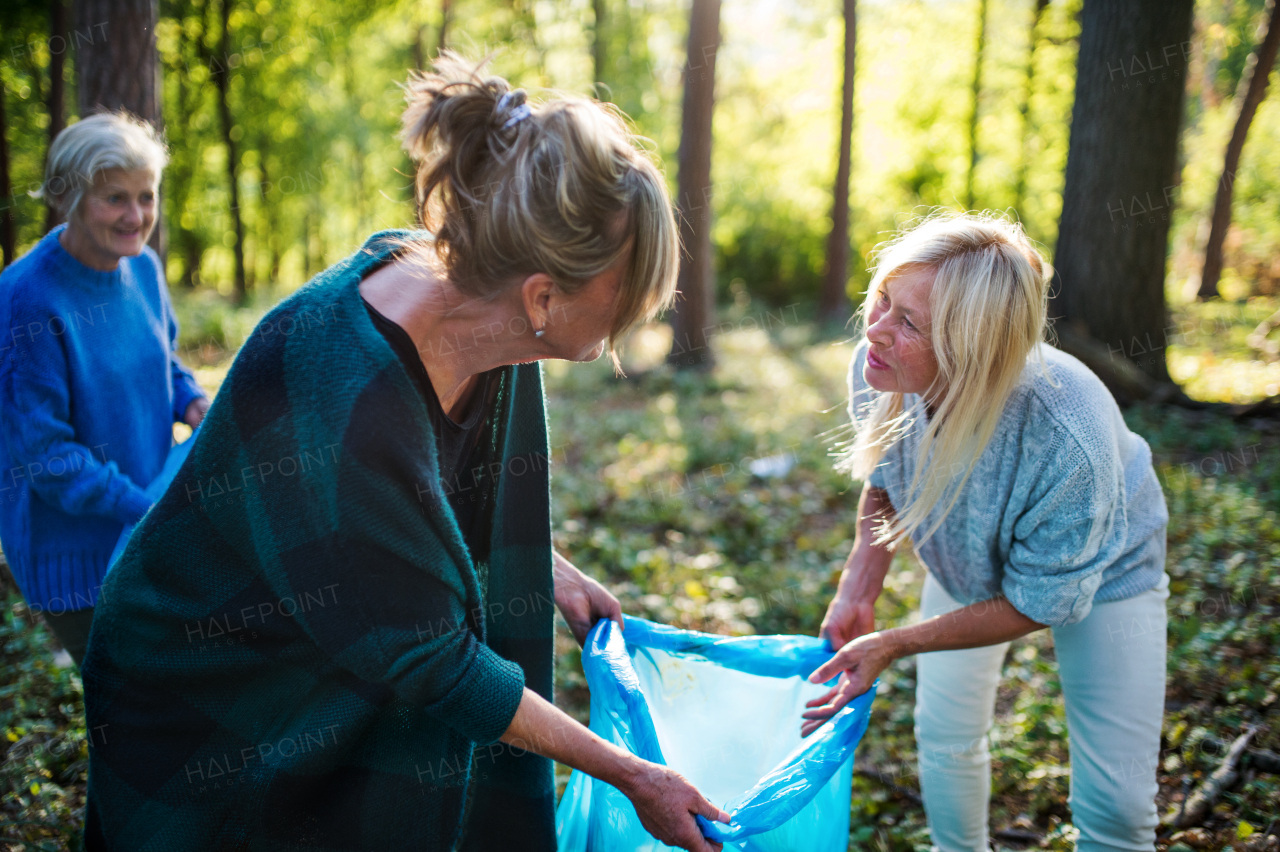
(457, 336)
(82, 249)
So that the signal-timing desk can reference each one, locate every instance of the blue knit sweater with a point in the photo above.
(90, 388)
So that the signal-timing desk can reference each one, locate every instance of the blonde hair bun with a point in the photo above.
(510, 188)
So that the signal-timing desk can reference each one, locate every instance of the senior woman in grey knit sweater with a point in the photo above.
(1007, 465)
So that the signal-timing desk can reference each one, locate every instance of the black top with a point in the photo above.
(458, 445)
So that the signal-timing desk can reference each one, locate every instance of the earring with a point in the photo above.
(539, 332)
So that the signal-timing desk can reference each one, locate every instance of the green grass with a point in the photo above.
(653, 494)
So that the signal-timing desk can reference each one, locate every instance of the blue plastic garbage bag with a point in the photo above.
(725, 713)
(177, 455)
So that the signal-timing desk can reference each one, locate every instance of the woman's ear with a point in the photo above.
(539, 292)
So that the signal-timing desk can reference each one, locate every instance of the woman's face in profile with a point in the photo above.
(900, 355)
(579, 330)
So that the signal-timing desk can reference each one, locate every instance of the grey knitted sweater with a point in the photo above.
(1062, 509)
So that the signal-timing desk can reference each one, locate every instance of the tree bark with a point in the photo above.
(222, 80)
(833, 305)
(1257, 73)
(1020, 185)
(695, 310)
(116, 58)
(446, 9)
(270, 212)
(57, 89)
(978, 53)
(117, 67)
(416, 49)
(8, 233)
(1120, 178)
(599, 43)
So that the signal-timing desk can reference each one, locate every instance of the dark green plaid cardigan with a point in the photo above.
(296, 650)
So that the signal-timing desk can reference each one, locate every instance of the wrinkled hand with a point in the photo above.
(859, 663)
(847, 620)
(582, 600)
(666, 804)
(195, 411)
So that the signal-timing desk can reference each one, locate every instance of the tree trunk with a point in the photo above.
(306, 246)
(8, 233)
(270, 212)
(116, 60)
(1254, 83)
(1020, 185)
(57, 88)
(446, 9)
(695, 310)
(179, 175)
(117, 67)
(222, 80)
(1121, 175)
(416, 49)
(833, 306)
(599, 43)
(981, 49)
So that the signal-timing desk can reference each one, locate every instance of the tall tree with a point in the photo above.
(1020, 185)
(1253, 84)
(978, 53)
(1121, 174)
(8, 225)
(833, 305)
(117, 66)
(58, 47)
(416, 50)
(222, 81)
(695, 309)
(599, 42)
(446, 13)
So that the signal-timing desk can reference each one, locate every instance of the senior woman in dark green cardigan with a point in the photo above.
(334, 631)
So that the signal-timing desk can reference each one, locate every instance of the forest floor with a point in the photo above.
(655, 494)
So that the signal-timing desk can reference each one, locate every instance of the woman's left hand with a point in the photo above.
(582, 600)
(195, 411)
(858, 663)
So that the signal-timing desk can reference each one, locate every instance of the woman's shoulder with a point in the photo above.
(1061, 379)
(319, 339)
(35, 268)
(1063, 396)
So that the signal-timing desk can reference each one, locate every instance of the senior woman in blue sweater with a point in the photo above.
(1007, 465)
(90, 385)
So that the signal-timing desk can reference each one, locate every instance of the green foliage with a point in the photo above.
(46, 751)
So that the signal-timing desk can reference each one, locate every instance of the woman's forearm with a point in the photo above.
(868, 563)
(983, 623)
(542, 728)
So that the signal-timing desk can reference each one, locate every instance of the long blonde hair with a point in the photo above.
(989, 302)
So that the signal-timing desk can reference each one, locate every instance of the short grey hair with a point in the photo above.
(108, 140)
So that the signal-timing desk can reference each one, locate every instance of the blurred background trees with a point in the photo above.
(282, 117)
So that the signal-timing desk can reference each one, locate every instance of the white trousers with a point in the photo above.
(1112, 668)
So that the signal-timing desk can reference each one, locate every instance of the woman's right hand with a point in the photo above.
(666, 804)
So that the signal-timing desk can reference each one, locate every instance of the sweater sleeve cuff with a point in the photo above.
(183, 393)
(484, 701)
(132, 506)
